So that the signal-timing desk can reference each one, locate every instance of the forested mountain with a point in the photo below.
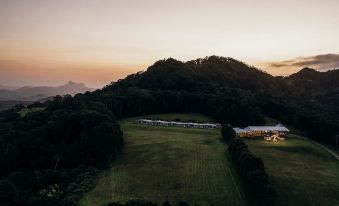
(318, 88)
(69, 133)
(230, 91)
(310, 79)
(203, 74)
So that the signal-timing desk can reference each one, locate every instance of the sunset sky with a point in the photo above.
(48, 42)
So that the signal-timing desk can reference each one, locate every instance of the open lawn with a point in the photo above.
(168, 163)
(302, 173)
(180, 164)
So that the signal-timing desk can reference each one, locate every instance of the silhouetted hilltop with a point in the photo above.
(310, 79)
(203, 74)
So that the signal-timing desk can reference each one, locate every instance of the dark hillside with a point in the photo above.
(320, 88)
(230, 91)
(203, 74)
(310, 79)
(49, 156)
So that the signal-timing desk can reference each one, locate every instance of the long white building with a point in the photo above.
(178, 124)
(260, 130)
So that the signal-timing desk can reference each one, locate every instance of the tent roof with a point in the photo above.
(276, 128)
(279, 128)
(239, 130)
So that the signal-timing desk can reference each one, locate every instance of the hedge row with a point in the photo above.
(252, 171)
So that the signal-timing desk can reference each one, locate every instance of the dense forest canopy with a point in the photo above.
(69, 133)
(45, 156)
(230, 91)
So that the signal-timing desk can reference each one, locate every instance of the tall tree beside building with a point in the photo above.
(227, 132)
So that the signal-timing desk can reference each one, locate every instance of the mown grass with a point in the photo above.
(302, 172)
(179, 164)
(175, 164)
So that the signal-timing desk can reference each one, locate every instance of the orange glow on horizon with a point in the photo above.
(96, 42)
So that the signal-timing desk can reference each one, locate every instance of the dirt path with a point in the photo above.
(327, 149)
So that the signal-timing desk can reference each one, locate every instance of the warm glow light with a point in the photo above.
(50, 42)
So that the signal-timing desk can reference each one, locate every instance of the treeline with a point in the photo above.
(252, 171)
(225, 105)
(42, 150)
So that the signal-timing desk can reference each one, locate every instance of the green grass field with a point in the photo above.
(303, 173)
(167, 163)
(179, 164)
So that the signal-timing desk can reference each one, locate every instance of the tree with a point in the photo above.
(8, 192)
(227, 132)
(106, 142)
(166, 203)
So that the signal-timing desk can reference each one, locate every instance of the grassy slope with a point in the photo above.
(303, 173)
(189, 164)
(174, 164)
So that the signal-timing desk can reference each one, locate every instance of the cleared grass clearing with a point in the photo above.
(302, 172)
(168, 163)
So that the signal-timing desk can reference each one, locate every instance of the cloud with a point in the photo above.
(321, 62)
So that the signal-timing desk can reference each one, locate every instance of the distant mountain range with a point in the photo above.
(5, 87)
(29, 93)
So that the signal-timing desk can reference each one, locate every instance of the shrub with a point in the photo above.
(166, 203)
(183, 204)
(8, 192)
(227, 132)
